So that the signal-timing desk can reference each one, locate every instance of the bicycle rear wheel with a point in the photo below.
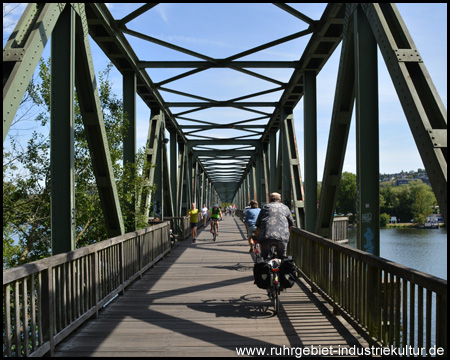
(274, 293)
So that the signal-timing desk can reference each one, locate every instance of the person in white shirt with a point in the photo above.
(204, 214)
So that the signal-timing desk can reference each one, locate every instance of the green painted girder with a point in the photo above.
(212, 61)
(105, 32)
(62, 150)
(92, 116)
(21, 56)
(22, 52)
(219, 64)
(422, 105)
(326, 37)
(255, 143)
(339, 130)
(221, 104)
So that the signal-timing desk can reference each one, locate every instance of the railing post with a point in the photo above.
(47, 308)
(441, 319)
(374, 297)
(96, 282)
(122, 267)
(336, 283)
(140, 253)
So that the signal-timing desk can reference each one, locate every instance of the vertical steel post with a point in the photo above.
(272, 162)
(252, 178)
(339, 129)
(62, 133)
(158, 175)
(173, 172)
(367, 142)
(292, 187)
(264, 196)
(284, 160)
(129, 144)
(182, 182)
(153, 153)
(188, 169)
(261, 179)
(310, 146)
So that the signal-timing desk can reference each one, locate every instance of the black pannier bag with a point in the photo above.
(288, 274)
(261, 272)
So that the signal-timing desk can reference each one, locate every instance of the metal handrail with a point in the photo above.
(388, 304)
(44, 301)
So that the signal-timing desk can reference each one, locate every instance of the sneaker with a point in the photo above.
(211, 231)
(217, 233)
(251, 250)
(194, 240)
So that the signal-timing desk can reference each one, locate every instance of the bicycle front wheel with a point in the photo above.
(276, 299)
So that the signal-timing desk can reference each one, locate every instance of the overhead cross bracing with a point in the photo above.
(231, 130)
(248, 116)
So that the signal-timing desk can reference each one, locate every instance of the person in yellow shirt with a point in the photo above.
(193, 214)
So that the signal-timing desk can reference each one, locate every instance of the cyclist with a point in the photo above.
(193, 214)
(215, 215)
(273, 226)
(250, 219)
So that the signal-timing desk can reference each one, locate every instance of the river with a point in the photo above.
(421, 249)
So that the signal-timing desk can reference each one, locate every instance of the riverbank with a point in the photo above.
(403, 226)
(400, 225)
(406, 225)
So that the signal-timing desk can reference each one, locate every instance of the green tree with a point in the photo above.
(26, 177)
(412, 201)
(346, 202)
(384, 219)
(423, 200)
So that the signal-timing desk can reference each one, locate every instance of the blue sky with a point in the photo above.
(222, 30)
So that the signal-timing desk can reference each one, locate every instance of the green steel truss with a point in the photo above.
(263, 157)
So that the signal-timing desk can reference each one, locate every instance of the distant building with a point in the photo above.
(424, 179)
(435, 218)
(399, 182)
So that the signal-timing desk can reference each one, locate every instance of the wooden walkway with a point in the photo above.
(201, 301)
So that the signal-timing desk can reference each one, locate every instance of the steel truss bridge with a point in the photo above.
(47, 300)
(263, 157)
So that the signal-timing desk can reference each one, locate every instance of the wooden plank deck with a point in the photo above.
(201, 301)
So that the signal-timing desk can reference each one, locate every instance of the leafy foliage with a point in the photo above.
(346, 202)
(412, 201)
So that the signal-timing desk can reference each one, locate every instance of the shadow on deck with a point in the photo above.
(201, 301)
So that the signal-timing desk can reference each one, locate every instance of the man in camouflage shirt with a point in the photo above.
(273, 226)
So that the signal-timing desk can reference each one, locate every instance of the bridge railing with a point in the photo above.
(44, 301)
(388, 303)
(179, 225)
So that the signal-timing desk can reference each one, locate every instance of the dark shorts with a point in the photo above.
(194, 225)
(266, 244)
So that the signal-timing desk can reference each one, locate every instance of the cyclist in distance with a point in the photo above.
(215, 214)
(250, 219)
(273, 226)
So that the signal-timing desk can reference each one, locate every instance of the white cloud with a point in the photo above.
(163, 9)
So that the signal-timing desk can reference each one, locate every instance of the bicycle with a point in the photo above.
(214, 224)
(275, 288)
